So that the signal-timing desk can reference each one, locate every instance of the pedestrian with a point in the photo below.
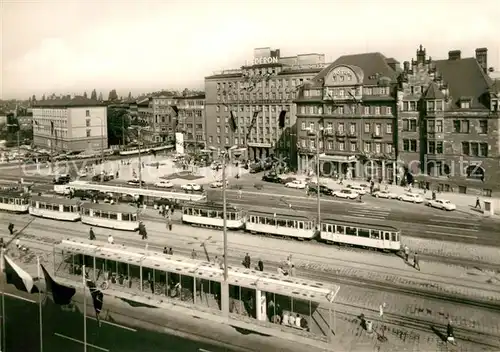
(111, 240)
(240, 192)
(2, 244)
(449, 332)
(165, 250)
(415, 261)
(407, 253)
(261, 265)
(292, 272)
(169, 224)
(18, 244)
(170, 251)
(193, 254)
(478, 203)
(91, 234)
(11, 228)
(247, 261)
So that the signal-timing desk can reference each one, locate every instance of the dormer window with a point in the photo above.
(465, 103)
(439, 105)
(494, 105)
(431, 106)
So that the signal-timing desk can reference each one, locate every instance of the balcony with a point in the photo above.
(352, 135)
(340, 134)
(376, 135)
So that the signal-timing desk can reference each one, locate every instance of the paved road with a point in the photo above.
(62, 330)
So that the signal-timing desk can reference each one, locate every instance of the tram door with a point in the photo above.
(387, 239)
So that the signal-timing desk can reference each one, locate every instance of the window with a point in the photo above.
(303, 126)
(483, 126)
(388, 148)
(226, 129)
(431, 126)
(353, 146)
(461, 126)
(342, 146)
(330, 145)
(388, 128)
(352, 128)
(367, 147)
(439, 126)
(483, 149)
(217, 108)
(434, 147)
(413, 106)
(87, 113)
(88, 133)
(341, 127)
(409, 125)
(311, 144)
(227, 140)
(465, 148)
(388, 110)
(218, 129)
(218, 139)
(377, 148)
(87, 122)
(210, 139)
(218, 119)
(367, 128)
(430, 106)
(340, 110)
(311, 126)
(410, 145)
(475, 149)
(377, 110)
(378, 129)
(367, 110)
(465, 104)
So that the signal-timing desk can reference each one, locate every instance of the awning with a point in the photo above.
(338, 158)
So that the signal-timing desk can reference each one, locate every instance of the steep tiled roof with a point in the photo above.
(465, 78)
(198, 96)
(374, 66)
(433, 92)
(77, 101)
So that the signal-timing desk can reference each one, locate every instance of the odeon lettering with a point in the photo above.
(265, 60)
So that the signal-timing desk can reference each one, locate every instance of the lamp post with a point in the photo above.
(139, 129)
(225, 155)
(317, 134)
(102, 145)
(18, 150)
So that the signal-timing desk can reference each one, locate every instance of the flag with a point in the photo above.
(61, 294)
(52, 127)
(233, 122)
(353, 97)
(175, 108)
(97, 297)
(18, 277)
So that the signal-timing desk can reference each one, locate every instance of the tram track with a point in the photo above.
(396, 324)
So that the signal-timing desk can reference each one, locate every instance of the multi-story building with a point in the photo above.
(347, 115)
(158, 112)
(77, 124)
(255, 96)
(191, 121)
(449, 123)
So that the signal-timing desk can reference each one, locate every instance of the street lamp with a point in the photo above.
(224, 221)
(18, 150)
(139, 129)
(102, 145)
(311, 131)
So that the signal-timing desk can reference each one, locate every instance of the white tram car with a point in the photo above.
(14, 202)
(210, 215)
(282, 223)
(55, 208)
(113, 216)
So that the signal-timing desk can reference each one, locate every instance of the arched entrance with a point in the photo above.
(437, 169)
(475, 172)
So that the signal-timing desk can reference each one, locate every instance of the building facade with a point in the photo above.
(77, 124)
(191, 121)
(255, 96)
(158, 112)
(346, 114)
(449, 137)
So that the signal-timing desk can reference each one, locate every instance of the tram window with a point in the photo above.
(398, 236)
(375, 234)
(67, 208)
(86, 211)
(134, 217)
(232, 216)
(281, 223)
(387, 236)
(393, 235)
(41, 205)
(301, 225)
(126, 216)
(33, 203)
(104, 214)
(185, 211)
(261, 220)
(352, 231)
(113, 216)
(364, 233)
(331, 228)
(203, 213)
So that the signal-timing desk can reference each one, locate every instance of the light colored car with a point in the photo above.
(82, 174)
(441, 204)
(385, 194)
(346, 194)
(218, 184)
(411, 197)
(296, 184)
(358, 189)
(164, 184)
(191, 187)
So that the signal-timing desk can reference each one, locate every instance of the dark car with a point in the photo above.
(271, 178)
(61, 179)
(135, 182)
(313, 188)
(105, 177)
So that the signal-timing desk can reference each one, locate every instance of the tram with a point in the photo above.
(55, 208)
(372, 235)
(113, 216)
(210, 215)
(281, 223)
(15, 202)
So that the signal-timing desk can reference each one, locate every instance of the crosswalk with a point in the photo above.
(376, 213)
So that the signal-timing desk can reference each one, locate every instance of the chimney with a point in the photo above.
(482, 58)
(406, 66)
(420, 55)
(454, 55)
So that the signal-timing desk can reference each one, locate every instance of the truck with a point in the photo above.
(62, 189)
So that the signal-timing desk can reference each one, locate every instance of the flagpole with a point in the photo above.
(2, 334)
(84, 311)
(40, 303)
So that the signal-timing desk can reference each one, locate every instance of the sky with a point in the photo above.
(69, 46)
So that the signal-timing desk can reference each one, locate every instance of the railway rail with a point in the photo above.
(393, 323)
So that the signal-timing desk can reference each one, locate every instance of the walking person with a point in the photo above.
(407, 253)
(261, 265)
(415, 261)
(11, 228)
(193, 254)
(169, 223)
(170, 251)
(449, 332)
(111, 239)
(240, 193)
(247, 261)
(91, 234)
(478, 203)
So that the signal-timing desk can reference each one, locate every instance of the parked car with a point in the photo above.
(164, 184)
(191, 187)
(358, 189)
(313, 188)
(218, 184)
(411, 197)
(346, 194)
(296, 184)
(135, 182)
(61, 179)
(441, 204)
(385, 194)
(271, 178)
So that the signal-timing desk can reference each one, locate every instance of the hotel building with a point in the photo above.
(77, 124)
(191, 121)
(255, 95)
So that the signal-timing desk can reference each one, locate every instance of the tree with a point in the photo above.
(100, 96)
(43, 97)
(33, 98)
(93, 95)
(129, 95)
(118, 123)
(112, 95)
(185, 92)
(85, 95)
